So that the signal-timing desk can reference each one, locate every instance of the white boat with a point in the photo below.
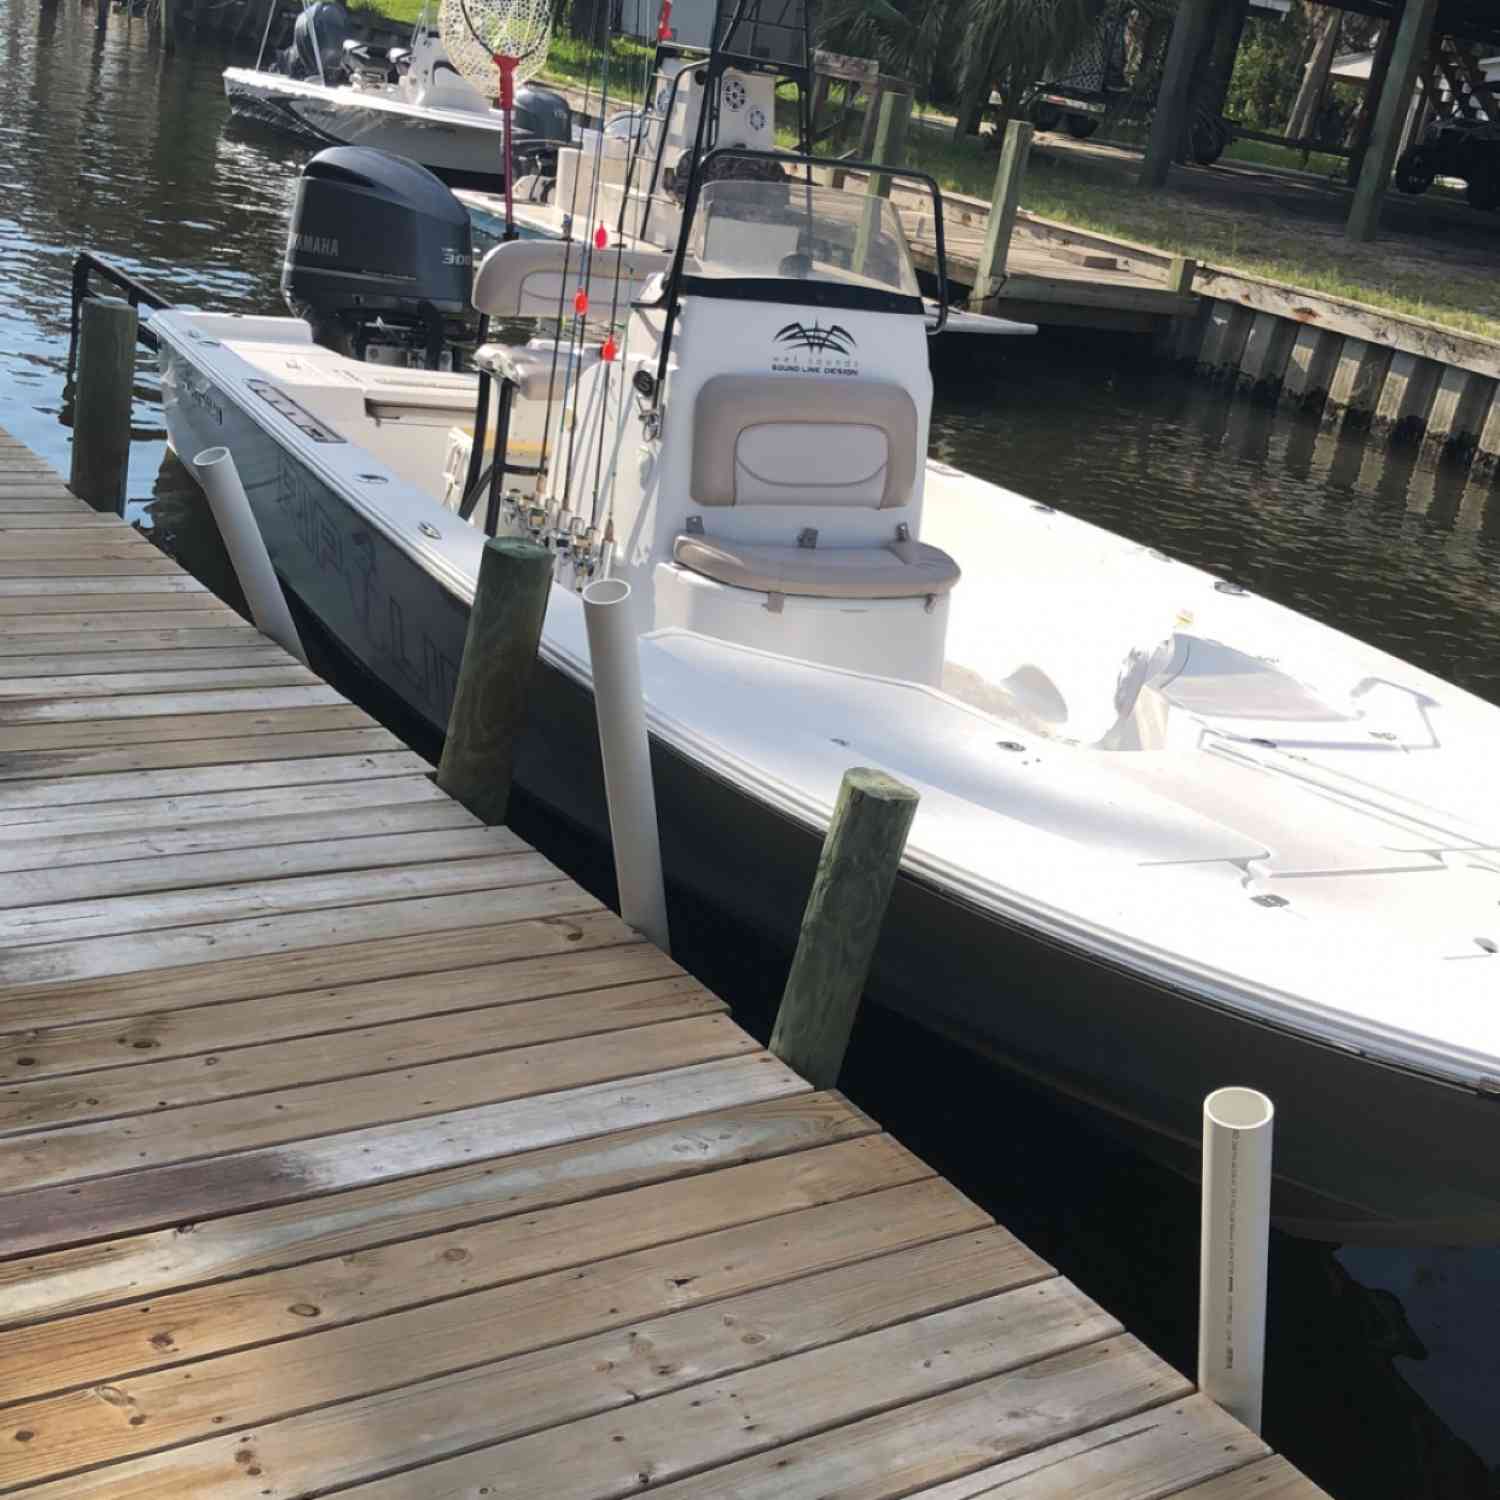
(1171, 835)
(330, 89)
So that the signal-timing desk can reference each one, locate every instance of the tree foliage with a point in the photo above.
(964, 47)
(1268, 69)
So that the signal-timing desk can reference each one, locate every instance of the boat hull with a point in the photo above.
(1366, 1153)
(465, 152)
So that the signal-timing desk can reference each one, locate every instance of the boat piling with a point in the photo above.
(353, 1146)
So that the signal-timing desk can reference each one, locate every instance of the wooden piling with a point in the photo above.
(101, 15)
(1005, 203)
(1372, 167)
(101, 401)
(1180, 272)
(890, 150)
(850, 893)
(890, 137)
(494, 678)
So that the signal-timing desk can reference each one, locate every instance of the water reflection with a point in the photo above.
(1383, 1374)
(1383, 543)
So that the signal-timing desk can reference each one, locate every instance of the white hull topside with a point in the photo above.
(1363, 800)
(462, 143)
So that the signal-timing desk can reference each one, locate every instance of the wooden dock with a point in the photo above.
(1056, 276)
(352, 1148)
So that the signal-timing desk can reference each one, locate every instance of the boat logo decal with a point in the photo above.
(800, 336)
(814, 350)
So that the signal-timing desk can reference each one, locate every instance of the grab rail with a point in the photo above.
(137, 294)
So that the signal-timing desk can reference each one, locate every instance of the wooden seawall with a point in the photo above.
(1404, 379)
(352, 1148)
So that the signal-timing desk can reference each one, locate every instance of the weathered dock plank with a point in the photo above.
(350, 1147)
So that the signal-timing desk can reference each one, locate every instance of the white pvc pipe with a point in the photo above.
(615, 654)
(1236, 1235)
(247, 548)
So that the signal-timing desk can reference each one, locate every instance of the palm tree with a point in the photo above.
(1008, 45)
(904, 36)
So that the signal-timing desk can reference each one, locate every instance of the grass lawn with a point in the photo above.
(397, 10)
(1263, 154)
(576, 63)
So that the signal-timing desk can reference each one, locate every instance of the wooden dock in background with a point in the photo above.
(352, 1148)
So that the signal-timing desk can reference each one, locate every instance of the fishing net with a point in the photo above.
(502, 41)
(478, 34)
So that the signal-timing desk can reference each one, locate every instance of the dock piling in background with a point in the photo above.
(615, 655)
(1001, 223)
(102, 399)
(890, 151)
(1235, 1241)
(101, 15)
(1180, 272)
(240, 532)
(850, 892)
(890, 137)
(494, 677)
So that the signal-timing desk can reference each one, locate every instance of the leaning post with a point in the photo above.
(101, 402)
(1004, 205)
(494, 678)
(850, 892)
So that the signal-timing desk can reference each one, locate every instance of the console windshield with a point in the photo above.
(779, 227)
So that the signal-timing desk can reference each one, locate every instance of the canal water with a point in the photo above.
(1384, 1367)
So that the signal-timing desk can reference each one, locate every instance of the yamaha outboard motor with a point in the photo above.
(319, 36)
(544, 122)
(378, 253)
(544, 113)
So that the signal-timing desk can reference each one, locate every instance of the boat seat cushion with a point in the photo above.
(795, 440)
(531, 368)
(899, 570)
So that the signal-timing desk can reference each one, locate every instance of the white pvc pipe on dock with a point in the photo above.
(247, 548)
(614, 651)
(1236, 1236)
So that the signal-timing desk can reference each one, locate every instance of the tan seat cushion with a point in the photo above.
(803, 440)
(899, 570)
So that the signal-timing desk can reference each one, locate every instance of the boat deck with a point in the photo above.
(352, 1148)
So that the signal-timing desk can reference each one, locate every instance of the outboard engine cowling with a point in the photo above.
(318, 36)
(378, 251)
(544, 123)
(544, 114)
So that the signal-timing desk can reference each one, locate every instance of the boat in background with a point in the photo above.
(331, 89)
